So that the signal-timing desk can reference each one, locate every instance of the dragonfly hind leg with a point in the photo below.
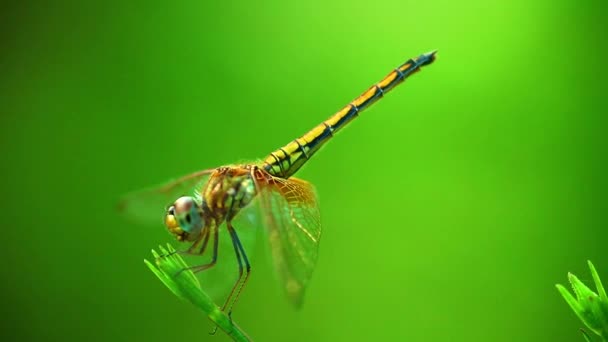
(244, 273)
(241, 258)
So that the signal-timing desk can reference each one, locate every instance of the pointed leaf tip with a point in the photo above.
(170, 248)
(598, 282)
(569, 298)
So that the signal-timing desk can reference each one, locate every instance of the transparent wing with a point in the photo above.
(148, 206)
(293, 224)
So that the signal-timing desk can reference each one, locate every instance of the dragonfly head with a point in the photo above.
(184, 219)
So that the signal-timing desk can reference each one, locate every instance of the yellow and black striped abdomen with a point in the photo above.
(285, 161)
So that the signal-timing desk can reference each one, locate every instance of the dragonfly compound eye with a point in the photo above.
(184, 219)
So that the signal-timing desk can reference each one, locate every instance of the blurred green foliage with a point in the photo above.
(449, 209)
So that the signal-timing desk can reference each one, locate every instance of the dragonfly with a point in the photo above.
(197, 205)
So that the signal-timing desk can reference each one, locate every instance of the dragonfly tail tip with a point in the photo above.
(431, 54)
(428, 57)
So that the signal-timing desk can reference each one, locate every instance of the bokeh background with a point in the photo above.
(450, 209)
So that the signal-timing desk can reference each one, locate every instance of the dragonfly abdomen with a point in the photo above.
(285, 161)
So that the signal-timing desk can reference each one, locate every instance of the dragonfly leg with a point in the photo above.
(192, 249)
(200, 268)
(241, 258)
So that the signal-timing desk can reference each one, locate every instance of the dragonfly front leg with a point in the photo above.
(204, 238)
(200, 268)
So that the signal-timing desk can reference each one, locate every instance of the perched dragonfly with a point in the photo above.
(196, 205)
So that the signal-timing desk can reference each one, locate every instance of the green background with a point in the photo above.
(450, 209)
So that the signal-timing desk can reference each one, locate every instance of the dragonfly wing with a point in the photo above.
(293, 224)
(148, 206)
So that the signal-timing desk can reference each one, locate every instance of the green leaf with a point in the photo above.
(169, 269)
(590, 307)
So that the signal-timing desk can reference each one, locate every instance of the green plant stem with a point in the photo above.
(183, 283)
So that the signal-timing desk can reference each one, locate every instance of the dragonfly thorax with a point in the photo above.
(228, 190)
